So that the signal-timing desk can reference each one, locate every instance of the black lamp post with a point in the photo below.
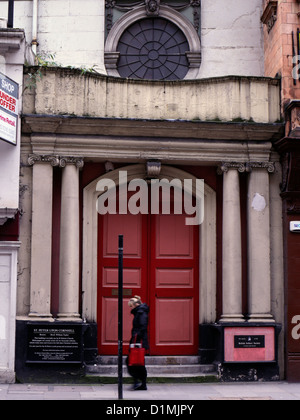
(10, 21)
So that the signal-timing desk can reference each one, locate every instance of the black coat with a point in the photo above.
(140, 324)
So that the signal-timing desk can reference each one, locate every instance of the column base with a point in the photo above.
(7, 376)
(232, 318)
(267, 318)
(40, 317)
(69, 317)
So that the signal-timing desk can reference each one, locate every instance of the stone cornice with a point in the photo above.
(209, 130)
(10, 40)
(126, 140)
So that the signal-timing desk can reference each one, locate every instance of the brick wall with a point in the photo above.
(279, 46)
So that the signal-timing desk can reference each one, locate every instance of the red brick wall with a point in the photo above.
(278, 47)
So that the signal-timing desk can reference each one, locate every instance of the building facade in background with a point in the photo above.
(281, 35)
(159, 90)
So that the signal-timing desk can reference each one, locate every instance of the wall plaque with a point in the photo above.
(126, 292)
(54, 343)
(249, 344)
(249, 341)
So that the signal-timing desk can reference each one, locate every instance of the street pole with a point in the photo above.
(10, 20)
(120, 320)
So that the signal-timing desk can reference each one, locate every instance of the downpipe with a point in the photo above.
(34, 41)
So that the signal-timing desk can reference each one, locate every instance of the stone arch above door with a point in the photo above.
(207, 241)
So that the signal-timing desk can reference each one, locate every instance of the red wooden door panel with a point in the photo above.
(134, 230)
(174, 286)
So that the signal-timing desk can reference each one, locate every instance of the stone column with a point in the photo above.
(232, 244)
(69, 241)
(259, 261)
(41, 237)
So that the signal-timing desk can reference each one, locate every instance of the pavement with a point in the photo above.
(172, 393)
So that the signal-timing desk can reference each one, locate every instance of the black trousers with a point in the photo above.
(137, 372)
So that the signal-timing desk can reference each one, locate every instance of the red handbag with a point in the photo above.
(136, 355)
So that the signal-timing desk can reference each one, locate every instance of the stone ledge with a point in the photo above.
(208, 130)
(10, 40)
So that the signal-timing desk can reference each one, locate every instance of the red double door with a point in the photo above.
(161, 264)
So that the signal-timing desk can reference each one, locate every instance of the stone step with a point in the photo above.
(153, 370)
(153, 360)
(157, 366)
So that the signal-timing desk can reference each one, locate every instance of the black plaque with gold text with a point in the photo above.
(249, 341)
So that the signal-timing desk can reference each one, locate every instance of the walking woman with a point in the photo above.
(139, 334)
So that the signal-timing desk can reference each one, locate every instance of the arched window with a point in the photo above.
(153, 48)
(161, 47)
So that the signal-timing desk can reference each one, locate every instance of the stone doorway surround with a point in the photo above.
(207, 240)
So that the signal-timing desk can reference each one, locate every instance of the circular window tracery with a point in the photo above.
(153, 48)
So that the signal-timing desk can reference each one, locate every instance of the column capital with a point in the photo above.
(245, 166)
(53, 160)
(56, 160)
(71, 160)
(269, 166)
(226, 166)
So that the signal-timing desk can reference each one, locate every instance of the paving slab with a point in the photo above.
(170, 393)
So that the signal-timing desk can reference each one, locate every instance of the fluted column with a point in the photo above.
(232, 245)
(41, 237)
(69, 241)
(259, 260)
